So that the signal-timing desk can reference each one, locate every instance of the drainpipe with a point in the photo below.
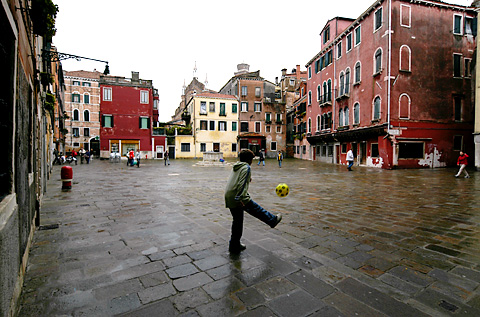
(389, 62)
(389, 74)
(476, 129)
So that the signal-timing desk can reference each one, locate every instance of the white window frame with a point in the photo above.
(76, 94)
(86, 111)
(255, 127)
(375, 71)
(466, 69)
(409, 59)
(277, 128)
(107, 93)
(359, 73)
(354, 117)
(309, 72)
(319, 92)
(379, 108)
(85, 130)
(222, 125)
(203, 107)
(355, 36)
(259, 90)
(244, 108)
(271, 146)
(461, 24)
(73, 115)
(144, 96)
(351, 42)
(257, 106)
(399, 107)
(375, 29)
(142, 119)
(339, 50)
(409, 8)
(75, 129)
(309, 97)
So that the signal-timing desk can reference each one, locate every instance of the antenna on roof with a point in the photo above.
(195, 70)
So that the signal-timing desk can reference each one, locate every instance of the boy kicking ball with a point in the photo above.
(238, 200)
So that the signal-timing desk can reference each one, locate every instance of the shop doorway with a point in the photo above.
(363, 153)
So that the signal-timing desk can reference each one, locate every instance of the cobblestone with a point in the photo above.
(371, 242)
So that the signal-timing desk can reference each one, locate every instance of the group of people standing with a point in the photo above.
(133, 158)
(60, 158)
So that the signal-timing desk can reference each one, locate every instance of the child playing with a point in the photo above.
(238, 200)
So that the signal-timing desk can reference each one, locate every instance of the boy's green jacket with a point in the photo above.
(236, 191)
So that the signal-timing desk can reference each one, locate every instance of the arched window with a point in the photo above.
(86, 115)
(357, 73)
(309, 125)
(404, 106)
(347, 81)
(324, 97)
(319, 123)
(323, 122)
(345, 117)
(356, 113)
(376, 108)
(342, 83)
(76, 115)
(319, 93)
(329, 90)
(378, 61)
(340, 118)
(405, 58)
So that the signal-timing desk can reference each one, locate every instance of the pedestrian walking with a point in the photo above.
(238, 200)
(350, 159)
(137, 156)
(280, 158)
(462, 162)
(166, 157)
(261, 158)
(57, 157)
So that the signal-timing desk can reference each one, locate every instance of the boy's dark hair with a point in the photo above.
(246, 155)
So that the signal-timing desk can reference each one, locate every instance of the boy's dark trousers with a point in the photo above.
(253, 209)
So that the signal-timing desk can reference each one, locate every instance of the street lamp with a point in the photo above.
(57, 56)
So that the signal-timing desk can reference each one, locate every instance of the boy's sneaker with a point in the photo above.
(237, 248)
(277, 220)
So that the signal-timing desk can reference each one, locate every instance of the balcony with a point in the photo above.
(325, 100)
(343, 92)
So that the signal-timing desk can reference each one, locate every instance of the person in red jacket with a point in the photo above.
(462, 162)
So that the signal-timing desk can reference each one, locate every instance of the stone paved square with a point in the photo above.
(162, 243)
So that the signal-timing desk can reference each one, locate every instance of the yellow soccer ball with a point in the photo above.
(282, 190)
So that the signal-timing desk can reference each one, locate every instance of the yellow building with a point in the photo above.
(214, 119)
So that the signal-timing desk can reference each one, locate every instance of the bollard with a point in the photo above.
(67, 175)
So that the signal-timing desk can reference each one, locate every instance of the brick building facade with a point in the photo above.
(394, 85)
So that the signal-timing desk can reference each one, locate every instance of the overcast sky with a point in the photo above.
(163, 40)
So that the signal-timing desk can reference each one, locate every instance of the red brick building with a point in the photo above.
(126, 112)
(394, 85)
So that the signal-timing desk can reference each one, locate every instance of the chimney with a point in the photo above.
(276, 80)
(135, 77)
(284, 72)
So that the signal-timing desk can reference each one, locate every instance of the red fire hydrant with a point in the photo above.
(67, 176)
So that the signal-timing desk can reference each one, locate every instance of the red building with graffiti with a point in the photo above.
(126, 112)
(394, 85)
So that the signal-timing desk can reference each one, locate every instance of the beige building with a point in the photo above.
(82, 106)
(214, 119)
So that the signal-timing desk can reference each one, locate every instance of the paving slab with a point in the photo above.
(138, 241)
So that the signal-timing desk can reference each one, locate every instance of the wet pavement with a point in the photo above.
(153, 241)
